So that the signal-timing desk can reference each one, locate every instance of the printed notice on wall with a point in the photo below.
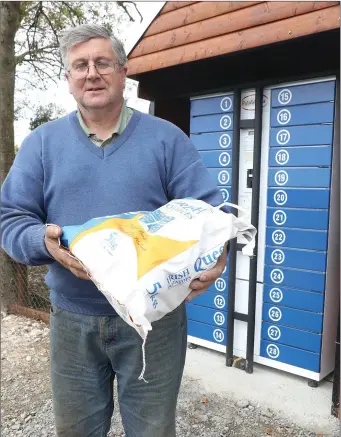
(247, 104)
(247, 137)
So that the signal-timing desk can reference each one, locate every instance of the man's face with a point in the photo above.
(95, 91)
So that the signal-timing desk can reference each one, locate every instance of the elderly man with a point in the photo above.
(102, 159)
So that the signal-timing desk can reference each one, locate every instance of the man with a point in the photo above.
(102, 159)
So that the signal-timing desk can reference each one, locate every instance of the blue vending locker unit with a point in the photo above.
(297, 286)
(300, 270)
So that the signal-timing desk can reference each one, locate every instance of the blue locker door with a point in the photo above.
(298, 218)
(212, 141)
(311, 135)
(211, 123)
(316, 113)
(212, 105)
(304, 177)
(300, 156)
(214, 159)
(303, 94)
(299, 198)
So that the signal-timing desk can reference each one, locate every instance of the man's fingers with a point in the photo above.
(80, 274)
(193, 294)
(213, 274)
(69, 261)
(198, 285)
(53, 231)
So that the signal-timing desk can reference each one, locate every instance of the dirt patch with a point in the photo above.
(26, 407)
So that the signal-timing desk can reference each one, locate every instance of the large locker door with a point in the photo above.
(297, 247)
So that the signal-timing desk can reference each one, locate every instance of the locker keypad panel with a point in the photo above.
(297, 222)
(211, 131)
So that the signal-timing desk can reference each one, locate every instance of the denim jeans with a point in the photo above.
(88, 352)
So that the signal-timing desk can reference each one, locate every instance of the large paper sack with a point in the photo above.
(144, 262)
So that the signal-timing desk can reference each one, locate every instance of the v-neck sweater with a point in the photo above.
(60, 176)
(123, 120)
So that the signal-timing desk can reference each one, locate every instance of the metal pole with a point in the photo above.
(254, 221)
(233, 243)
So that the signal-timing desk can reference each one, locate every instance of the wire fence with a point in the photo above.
(26, 285)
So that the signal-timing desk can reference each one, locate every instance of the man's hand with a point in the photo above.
(199, 286)
(52, 245)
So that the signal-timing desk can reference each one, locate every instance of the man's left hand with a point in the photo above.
(207, 278)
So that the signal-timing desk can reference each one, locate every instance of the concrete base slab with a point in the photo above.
(286, 394)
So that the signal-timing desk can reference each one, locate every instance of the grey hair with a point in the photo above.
(85, 32)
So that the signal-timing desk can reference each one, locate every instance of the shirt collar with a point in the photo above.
(117, 129)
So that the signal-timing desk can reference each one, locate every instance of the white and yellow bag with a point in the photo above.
(144, 262)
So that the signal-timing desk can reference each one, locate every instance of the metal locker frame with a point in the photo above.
(257, 124)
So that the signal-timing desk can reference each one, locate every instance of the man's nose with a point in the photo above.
(92, 72)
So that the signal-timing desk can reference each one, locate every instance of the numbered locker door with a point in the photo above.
(211, 132)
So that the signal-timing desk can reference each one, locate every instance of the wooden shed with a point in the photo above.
(196, 47)
(256, 87)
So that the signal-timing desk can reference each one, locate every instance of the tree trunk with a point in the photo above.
(9, 24)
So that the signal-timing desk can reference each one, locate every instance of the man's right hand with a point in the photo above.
(52, 235)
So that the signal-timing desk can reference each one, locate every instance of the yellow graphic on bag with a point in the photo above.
(152, 250)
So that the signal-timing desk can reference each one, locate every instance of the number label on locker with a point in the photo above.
(216, 159)
(221, 177)
(297, 238)
(206, 315)
(298, 218)
(301, 156)
(290, 297)
(211, 123)
(212, 105)
(299, 198)
(301, 136)
(211, 300)
(221, 284)
(299, 259)
(207, 332)
(212, 141)
(303, 94)
(293, 317)
(225, 192)
(302, 115)
(299, 177)
(304, 279)
(290, 355)
(292, 337)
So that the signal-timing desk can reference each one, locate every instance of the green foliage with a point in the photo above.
(43, 114)
(37, 56)
(37, 42)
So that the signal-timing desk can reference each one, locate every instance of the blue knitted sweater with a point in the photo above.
(59, 176)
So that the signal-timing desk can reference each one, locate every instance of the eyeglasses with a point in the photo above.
(81, 70)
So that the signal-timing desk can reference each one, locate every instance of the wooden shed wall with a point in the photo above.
(189, 31)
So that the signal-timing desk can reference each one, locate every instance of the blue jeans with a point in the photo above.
(88, 352)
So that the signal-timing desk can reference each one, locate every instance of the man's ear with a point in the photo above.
(67, 77)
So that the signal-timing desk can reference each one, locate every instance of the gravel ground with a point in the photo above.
(26, 407)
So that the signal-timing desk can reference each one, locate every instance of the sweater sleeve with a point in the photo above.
(186, 174)
(23, 216)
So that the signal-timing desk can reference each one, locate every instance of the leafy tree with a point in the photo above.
(43, 114)
(29, 55)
